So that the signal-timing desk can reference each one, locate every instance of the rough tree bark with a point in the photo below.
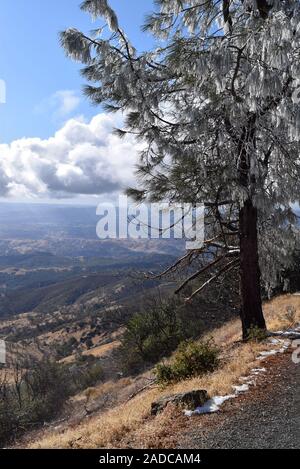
(251, 302)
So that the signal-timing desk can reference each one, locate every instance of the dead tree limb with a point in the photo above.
(198, 273)
(227, 268)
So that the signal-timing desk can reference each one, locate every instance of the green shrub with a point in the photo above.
(191, 359)
(65, 349)
(86, 375)
(164, 373)
(256, 334)
(156, 332)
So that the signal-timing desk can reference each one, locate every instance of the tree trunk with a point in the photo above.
(251, 308)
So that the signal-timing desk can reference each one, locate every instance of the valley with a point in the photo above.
(90, 319)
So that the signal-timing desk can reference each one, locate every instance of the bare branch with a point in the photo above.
(227, 268)
(198, 273)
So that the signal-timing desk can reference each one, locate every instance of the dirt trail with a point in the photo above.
(266, 417)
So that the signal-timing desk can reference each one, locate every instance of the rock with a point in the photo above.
(188, 400)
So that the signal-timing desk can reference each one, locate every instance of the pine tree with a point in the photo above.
(217, 106)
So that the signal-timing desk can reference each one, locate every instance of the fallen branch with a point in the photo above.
(132, 396)
(285, 335)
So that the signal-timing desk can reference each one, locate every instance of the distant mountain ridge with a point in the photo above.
(50, 258)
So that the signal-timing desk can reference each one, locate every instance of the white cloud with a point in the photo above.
(60, 104)
(82, 158)
(66, 101)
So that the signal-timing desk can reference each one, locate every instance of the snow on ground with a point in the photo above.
(215, 403)
(267, 353)
(211, 406)
(295, 333)
(242, 388)
(257, 371)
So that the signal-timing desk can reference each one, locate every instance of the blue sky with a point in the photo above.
(54, 145)
(35, 68)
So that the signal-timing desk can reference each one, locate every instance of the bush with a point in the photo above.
(67, 348)
(38, 392)
(45, 390)
(256, 334)
(191, 359)
(85, 375)
(156, 332)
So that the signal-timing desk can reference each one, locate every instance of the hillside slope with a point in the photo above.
(128, 422)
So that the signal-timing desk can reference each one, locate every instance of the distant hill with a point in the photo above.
(50, 258)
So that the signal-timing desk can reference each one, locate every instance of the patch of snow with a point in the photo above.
(267, 353)
(291, 332)
(284, 344)
(295, 332)
(247, 380)
(242, 388)
(257, 371)
(251, 382)
(211, 406)
(275, 341)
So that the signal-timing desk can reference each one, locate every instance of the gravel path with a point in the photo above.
(267, 417)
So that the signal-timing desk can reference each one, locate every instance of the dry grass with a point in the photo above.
(104, 389)
(97, 352)
(102, 350)
(132, 418)
(278, 312)
(106, 430)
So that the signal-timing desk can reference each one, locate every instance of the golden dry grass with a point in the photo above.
(133, 417)
(97, 392)
(97, 352)
(103, 349)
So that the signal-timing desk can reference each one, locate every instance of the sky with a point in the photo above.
(54, 145)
